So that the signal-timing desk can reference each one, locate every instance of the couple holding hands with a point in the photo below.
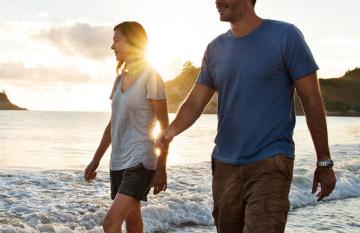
(255, 67)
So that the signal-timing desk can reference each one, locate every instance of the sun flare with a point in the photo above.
(157, 61)
(164, 60)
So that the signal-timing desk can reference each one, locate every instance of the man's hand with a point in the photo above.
(90, 171)
(188, 113)
(326, 178)
(165, 138)
(160, 180)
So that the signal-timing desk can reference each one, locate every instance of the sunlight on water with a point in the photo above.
(57, 140)
(51, 140)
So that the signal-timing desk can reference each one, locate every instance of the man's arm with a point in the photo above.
(309, 92)
(189, 111)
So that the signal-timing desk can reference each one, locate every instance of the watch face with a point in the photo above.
(326, 163)
(330, 163)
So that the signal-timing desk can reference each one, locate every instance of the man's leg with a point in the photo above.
(228, 210)
(267, 190)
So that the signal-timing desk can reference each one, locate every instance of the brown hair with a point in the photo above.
(253, 2)
(136, 36)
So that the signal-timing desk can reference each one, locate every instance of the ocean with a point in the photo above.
(43, 155)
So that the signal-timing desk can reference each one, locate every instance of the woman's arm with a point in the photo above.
(161, 113)
(90, 173)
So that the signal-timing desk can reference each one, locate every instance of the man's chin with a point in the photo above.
(224, 18)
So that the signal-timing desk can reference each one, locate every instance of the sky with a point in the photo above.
(55, 55)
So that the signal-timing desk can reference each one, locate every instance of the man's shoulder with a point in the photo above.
(282, 26)
(219, 38)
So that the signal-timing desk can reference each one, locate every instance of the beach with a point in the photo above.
(43, 155)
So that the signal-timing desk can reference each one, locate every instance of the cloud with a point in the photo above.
(80, 39)
(4, 26)
(17, 73)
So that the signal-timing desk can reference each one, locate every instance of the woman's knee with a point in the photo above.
(109, 225)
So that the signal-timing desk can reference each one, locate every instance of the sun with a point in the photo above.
(157, 60)
(163, 60)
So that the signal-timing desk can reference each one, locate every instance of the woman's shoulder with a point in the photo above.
(150, 75)
(150, 72)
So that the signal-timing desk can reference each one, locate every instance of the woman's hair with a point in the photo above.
(253, 2)
(137, 38)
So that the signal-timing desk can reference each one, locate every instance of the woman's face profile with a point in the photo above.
(120, 46)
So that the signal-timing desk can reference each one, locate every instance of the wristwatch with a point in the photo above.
(328, 163)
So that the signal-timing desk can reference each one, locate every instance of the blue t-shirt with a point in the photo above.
(254, 77)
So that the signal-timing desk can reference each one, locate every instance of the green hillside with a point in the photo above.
(341, 95)
(178, 88)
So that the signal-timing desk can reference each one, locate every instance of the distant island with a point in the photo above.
(5, 103)
(341, 95)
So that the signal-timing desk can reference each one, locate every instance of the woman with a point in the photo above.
(138, 100)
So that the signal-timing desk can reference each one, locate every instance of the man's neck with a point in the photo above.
(245, 25)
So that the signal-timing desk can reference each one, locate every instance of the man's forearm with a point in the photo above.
(190, 110)
(316, 121)
(186, 116)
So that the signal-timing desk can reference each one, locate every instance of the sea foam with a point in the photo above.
(61, 201)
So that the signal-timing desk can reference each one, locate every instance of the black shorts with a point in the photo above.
(134, 182)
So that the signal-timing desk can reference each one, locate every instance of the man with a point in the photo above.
(255, 68)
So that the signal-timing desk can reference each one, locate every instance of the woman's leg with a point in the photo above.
(121, 207)
(134, 223)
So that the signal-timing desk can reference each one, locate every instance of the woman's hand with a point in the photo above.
(160, 180)
(90, 171)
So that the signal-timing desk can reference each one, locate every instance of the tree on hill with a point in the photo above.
(178, 88)
(353, 74)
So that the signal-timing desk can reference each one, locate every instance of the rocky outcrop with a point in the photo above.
(5, 103)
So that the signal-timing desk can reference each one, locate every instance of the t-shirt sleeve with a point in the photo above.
(299, 60)
(204, 77)
(114, 88)
(155, 87)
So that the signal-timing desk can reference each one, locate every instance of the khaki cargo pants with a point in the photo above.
(252, 198)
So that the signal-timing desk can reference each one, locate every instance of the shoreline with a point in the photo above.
(328, 114)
